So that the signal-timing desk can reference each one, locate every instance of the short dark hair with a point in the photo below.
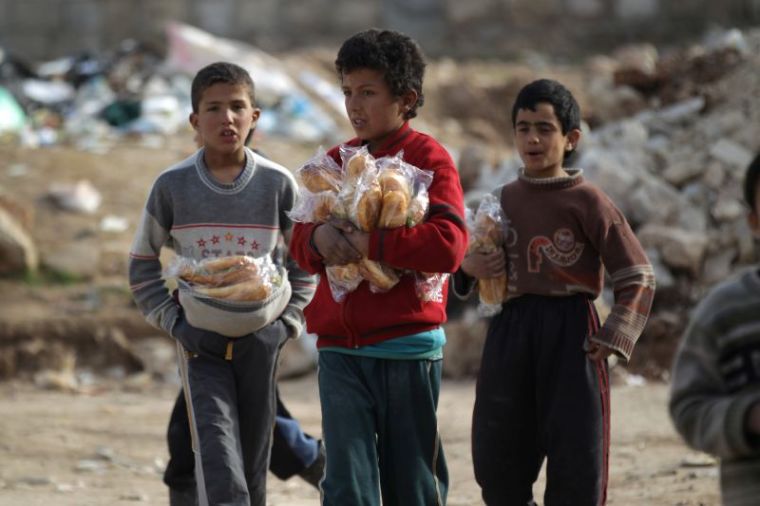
(751, 182)
(552, 92)
(220, 72)
(396, 55)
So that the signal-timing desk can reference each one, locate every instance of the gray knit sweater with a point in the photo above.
(716, 379)
(198, 217)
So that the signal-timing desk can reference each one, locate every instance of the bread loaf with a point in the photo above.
(493, 290)
(357, 164)
(368, 208)
(219, 271)
(394, 210)
(393, 180)
(317, 178)
(251, 290)
(345, 273)
(377, 274)
(324, 206)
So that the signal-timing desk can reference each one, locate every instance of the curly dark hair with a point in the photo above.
(220, 72)
(396, 55)
(751, 182)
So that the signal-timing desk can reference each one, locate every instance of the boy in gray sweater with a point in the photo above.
(715, 395)
(222, 201)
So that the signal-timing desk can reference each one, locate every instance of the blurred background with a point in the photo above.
(94, 100)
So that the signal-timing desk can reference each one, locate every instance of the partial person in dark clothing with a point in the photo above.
(294, 453)
(715, 392)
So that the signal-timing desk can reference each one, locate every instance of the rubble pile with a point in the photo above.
(675, 168)
(93, 101)
(668, 137)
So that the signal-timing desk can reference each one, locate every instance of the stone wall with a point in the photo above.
(45, 29)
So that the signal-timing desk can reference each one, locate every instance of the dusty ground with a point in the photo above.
(107, 447)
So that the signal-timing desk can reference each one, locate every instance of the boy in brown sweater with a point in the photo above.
(543, 389)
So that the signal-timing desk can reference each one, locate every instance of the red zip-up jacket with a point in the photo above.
(437, 245)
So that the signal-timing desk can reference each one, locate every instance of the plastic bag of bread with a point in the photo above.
(320, 173)
(232, 295)
(235, 277)
(405, 196)
(367, 200)
(357, 162)
(314, 207)
(487, 227)
(343, 279)
(380, 277)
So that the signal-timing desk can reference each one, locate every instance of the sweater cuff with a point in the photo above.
(462, 285)
(621, 344)
(741, 442)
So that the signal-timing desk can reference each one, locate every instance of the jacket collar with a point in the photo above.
(391, 145)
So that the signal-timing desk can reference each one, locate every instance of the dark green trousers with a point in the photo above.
(380, 431)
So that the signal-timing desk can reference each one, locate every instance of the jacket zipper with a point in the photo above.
(353, 340)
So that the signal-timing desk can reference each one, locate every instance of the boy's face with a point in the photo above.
(224, 118)
(374, 112)
(540, 141)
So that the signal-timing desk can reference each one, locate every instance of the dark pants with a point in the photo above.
(539, 396)
(232, 413)
(292, 449)
(381, 431)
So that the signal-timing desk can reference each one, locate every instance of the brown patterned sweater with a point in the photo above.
(563, 232)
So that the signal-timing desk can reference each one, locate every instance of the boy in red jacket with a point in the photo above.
(380, 353)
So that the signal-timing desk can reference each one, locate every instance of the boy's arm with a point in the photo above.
(632, 277)
(303, 287)
(477, 266)
(302, 248)
(708, 417)
(145, 278)
(438, 244)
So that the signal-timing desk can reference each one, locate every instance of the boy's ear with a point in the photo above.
(573, 138)
(193, 119)
(255, 115)
(408, 99)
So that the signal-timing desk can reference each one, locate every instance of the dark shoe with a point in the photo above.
(313, 474)
(183, 497)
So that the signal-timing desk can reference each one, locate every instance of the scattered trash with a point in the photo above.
(111, 223)
(79, 197)
(698, 459)
(12, 117)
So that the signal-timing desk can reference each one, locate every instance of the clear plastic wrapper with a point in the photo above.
(429, 286)
(365, 208)
(380, 277)
(314, 207)
(343, 279)
(320, 173)
(371, 193)
(233, 295)
(487, 227)
(358, 166)
(232, 278)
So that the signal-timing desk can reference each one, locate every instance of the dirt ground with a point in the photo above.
(107, 447)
